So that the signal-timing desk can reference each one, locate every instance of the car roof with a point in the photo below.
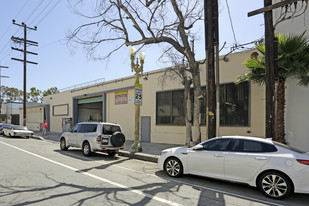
(98, 123)
(260, 139)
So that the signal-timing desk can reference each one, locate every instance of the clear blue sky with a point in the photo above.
(59, 66)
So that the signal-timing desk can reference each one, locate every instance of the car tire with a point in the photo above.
(173, 167)
(275, 185)
(63, 145)
(118, 139)
(86, 149)
(111, 153)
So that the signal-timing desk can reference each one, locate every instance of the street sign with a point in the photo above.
(138, 96)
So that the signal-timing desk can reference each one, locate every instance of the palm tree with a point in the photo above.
(293, 61)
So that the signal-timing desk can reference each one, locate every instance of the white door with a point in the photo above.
(244, 163)
(210, 160)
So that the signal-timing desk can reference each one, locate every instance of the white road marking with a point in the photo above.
(97, 177)
(167, 179)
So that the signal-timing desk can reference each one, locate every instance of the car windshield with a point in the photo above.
(289, 147)
(20, 128)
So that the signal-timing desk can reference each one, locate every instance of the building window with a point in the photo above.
(234, 104)
(170, 108)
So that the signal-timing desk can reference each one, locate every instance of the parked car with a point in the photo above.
(276, 169)
(17, 131)
(94, 136)
(3, 126)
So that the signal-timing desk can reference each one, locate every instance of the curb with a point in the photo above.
(124, 153)
(37, 137)
(140, 156)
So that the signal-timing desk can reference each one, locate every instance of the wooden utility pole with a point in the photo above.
(270, 62)
(1, 91)
(25, 42)
(212, 44)
(270, 71)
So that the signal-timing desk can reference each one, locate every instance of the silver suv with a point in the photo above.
(94, 136)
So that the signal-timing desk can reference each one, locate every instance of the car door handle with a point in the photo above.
(260, 158)
(218, 155)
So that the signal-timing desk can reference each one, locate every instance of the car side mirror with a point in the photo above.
(198, 147)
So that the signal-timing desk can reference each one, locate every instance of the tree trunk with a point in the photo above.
(281, 111)
(196, 135)
(188, 112)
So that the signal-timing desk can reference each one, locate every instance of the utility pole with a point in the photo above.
(212, 65)
(270, 61)
(1, 91)
(270, 72)
(25, 42)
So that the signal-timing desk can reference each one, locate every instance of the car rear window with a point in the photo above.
(110, 129)
(289, 147)
(241, 145)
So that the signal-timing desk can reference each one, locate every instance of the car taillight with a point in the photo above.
(99, 138)
(305, 162)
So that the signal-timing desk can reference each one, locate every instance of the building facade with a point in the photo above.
(242, 107)
(297, 114)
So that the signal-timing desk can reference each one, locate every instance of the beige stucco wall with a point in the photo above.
(35, 117)
(54, 100)
(297, 97)
(124, 113)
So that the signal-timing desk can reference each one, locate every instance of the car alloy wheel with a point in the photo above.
(86, 149)
(173, 167)
(275, 185)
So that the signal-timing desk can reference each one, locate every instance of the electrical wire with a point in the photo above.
(34, 10)
(18, 13)
(7, 53)
(228, 9)
(49, 12)
(41, 11)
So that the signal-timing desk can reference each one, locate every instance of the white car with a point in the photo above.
(276, 169)
(94, 136)
(17, 131)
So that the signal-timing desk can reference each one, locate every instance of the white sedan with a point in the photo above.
(19, 131)
(276, 169)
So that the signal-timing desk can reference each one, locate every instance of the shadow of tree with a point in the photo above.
(108, 194)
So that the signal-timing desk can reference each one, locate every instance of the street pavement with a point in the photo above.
(150, 151)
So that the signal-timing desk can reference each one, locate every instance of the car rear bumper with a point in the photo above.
(23, 134)
(100, 147)
(301, 181)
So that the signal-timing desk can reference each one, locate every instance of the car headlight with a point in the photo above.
(163, 152)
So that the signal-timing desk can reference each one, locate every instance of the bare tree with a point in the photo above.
(144, 22)
(180, 71)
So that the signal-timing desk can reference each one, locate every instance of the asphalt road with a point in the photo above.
(34, 172)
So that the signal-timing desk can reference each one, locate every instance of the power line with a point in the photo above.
(41, 11)
(228, 9)
(18, 13)
(34, 10)
(49, 11)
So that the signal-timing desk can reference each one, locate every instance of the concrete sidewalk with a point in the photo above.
(150, 150)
